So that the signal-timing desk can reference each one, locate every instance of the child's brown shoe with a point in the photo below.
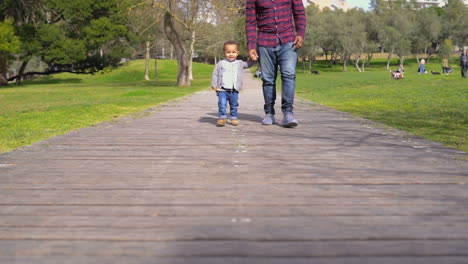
(221, 122)
(234, 122)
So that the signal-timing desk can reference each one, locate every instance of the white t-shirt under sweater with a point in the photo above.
(229, 73)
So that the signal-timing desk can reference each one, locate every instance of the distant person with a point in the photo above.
(401, 68)
(464, 63)
(449, 69)
(422, 67)
(227, 82)
(445, 65)
(275, 31)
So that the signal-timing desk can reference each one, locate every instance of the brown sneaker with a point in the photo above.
(221, 122)
(234, 122)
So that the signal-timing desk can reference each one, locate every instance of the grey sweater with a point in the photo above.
(217, 78)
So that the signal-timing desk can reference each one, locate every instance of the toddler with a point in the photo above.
(227, 82)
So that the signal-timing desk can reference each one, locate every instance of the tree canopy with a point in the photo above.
(87, 36)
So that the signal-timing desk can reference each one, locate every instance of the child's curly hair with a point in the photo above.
(230, 42)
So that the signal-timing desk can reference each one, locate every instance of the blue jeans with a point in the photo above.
(223, 98)
(270, 58)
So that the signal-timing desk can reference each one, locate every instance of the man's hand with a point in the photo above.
(253, 55)
(214, 88)
(298, 42)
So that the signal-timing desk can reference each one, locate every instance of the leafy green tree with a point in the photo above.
(353, 37)
(27, 16)
(455, 23)
(182, 19)
(326, 31)
(396, 29)
(80, 36)
(370, 20)
(9, 45)
(446, 49)
(427, 33)
(145, 22)
(312, 41)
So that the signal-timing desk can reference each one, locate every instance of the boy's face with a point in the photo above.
(231, 52)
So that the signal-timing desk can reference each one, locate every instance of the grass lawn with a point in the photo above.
(431, 106)
(60, 103)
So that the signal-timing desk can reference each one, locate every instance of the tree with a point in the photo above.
(455, 23)
(395, 29)
(426, 38)
(353, 37)
(312, 41)
(182, 20)
(326, 31)
(145, 22)
(81, 36)
(172, 30)
(27, 16)
(370, 20)
(9, 44)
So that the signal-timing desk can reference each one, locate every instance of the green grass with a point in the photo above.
(431, 106)
(60, 103)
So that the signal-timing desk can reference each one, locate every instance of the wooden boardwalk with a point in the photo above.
(171, 187)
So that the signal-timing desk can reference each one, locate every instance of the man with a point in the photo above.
(464, 63)
(273, 38)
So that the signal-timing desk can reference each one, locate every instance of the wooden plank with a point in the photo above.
(234, 210)
(155, 221)
(80, 179)
(250, 200)
(220, 248)
(304, 191)
(239, 232)
(232, 260)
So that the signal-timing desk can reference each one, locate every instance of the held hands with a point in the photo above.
(298, 42)
(253, 54)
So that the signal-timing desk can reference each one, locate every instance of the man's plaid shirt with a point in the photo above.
(273, 20)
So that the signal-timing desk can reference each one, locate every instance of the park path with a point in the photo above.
(170, 188)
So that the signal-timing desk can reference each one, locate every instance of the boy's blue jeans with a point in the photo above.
(270, 58)
(231, 96)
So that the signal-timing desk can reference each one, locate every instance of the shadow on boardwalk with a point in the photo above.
(172, 187)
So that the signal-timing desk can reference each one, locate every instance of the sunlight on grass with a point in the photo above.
(431, 106)
(60, 103)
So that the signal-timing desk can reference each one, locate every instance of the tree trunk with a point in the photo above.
(21, 72)
(401, 60)
(147, 60)
(192, 54)
(356, 63)
(156, 68)
(3, 70)
(330, 62)
(311, 63)
(369, 58)
(183, 61)
(303, 64)
(389, 58)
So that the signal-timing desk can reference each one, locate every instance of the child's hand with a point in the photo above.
(214, 88)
